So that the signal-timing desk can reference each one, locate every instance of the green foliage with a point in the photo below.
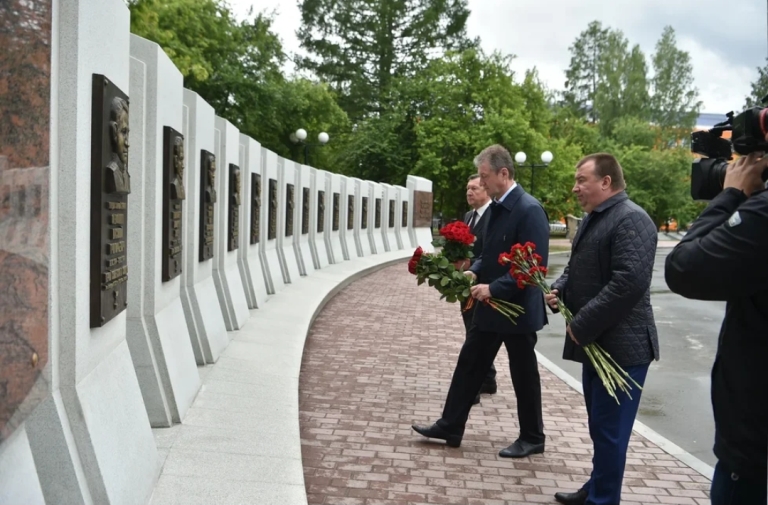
(401, 90)
(675, 104)
(759, 88)
(361, 46)
(236, 67)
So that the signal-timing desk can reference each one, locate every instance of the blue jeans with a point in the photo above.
(731, 489)
(610, 426)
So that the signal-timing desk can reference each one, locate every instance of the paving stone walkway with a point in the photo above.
(380, 357)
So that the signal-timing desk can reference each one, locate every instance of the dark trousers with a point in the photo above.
(475, 359)
(490, 378)
(729, 488)
(610, 426)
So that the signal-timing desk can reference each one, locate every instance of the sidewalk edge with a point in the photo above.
(641, 429)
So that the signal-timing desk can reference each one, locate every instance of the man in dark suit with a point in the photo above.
(607, 287)
(477, 219)
(515, 216)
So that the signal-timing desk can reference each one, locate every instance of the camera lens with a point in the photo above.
(707, 177)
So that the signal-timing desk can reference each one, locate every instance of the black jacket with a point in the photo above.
(519, 218)
(478, 231)
(724, 257)
(607, 284)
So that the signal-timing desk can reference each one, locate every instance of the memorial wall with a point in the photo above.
(137, 231)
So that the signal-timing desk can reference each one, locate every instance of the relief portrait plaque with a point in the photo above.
(336, 212)
(350, 212)
(255, 208)
(304, 211)
(422, 209)
(391, 221)
(272, 227)
(233, 228)
(320, 211)
(364, 214)
(173, 194)
(289, 204)
(207, 203)
(404, 217)
(110, 186)
(377, 215)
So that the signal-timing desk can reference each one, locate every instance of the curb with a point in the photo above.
(641, 429)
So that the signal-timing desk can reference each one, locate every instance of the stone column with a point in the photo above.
(201, 305)
(289, 191)
(91, 438)
(157, 328)
(338, 244)
(321, 212)
(272, 204)
(305, 209)
(376, 217)
(252, 223)
(229, 234)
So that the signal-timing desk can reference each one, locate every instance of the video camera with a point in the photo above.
(749, 134)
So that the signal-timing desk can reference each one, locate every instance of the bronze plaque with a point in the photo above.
(364, 214)
(173, 194)
(304, 211)
(289, 204)
(272, 214)
(336, 203)
(233, 230)
(207, 201)
(350, 212)
(404, 217)
(391, 222)
(422, 209)
(320, 211)
(255, 208)
(377, 216)
(110, 186)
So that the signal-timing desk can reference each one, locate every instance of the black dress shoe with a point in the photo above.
(477, 400)
(435, 431)
(521, 449)
(488, 388)
(577, 498)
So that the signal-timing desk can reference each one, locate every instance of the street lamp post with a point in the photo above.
(300, 137)
(546, 159)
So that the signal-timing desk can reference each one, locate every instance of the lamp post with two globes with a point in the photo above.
(300, 136)
(546, 158)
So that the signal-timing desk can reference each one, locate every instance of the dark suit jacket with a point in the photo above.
(478, 231)
(519, 218)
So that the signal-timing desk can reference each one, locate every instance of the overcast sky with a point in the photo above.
(726, 40)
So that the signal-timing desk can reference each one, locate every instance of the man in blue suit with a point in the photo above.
(515, 217)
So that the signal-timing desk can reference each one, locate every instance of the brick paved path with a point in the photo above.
(380, 357)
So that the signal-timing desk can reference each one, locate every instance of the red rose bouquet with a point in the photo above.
(456, 242)
(453, 284)
(527, 270)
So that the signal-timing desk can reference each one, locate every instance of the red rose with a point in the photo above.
(414, 261)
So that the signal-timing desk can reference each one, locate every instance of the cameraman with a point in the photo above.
(724, 256)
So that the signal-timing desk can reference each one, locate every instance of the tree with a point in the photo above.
(466, 101)
(236, 67)
(606, 81)
(759, 88)
(360, 46)
(583, 73)
(675, 104)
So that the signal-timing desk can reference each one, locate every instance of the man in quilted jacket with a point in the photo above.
(606, 285)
